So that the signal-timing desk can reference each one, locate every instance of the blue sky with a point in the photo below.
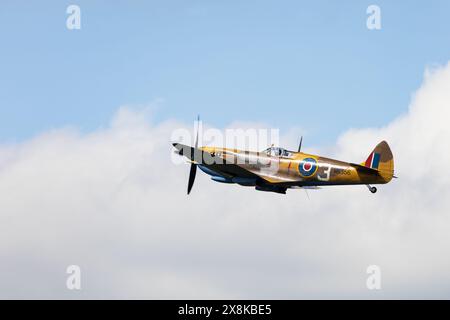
(308, 64)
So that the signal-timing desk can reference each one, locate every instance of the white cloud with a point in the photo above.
(113, 203)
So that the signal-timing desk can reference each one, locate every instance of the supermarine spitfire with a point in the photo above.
(277, 169)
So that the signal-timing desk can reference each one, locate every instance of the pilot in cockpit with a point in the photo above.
(277, 152)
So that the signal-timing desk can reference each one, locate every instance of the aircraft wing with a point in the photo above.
(230, 169)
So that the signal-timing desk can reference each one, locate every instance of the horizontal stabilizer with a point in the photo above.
(364, 169)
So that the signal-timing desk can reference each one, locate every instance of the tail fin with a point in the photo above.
(381, 159)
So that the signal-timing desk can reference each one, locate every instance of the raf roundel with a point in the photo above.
(307, 167)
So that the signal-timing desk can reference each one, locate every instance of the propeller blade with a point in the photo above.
(191, 177)
(198, 125)
(300, 145)
(193, 170)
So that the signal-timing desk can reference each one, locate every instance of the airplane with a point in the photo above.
(277, 169)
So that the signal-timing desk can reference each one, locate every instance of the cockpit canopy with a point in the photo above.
(278, 152)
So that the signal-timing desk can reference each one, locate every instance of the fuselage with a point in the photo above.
(289, 168)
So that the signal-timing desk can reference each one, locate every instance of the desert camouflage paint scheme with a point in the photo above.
(278, 169)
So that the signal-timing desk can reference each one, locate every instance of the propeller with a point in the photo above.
(300, 145)
(193, 170)
(191, 177)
